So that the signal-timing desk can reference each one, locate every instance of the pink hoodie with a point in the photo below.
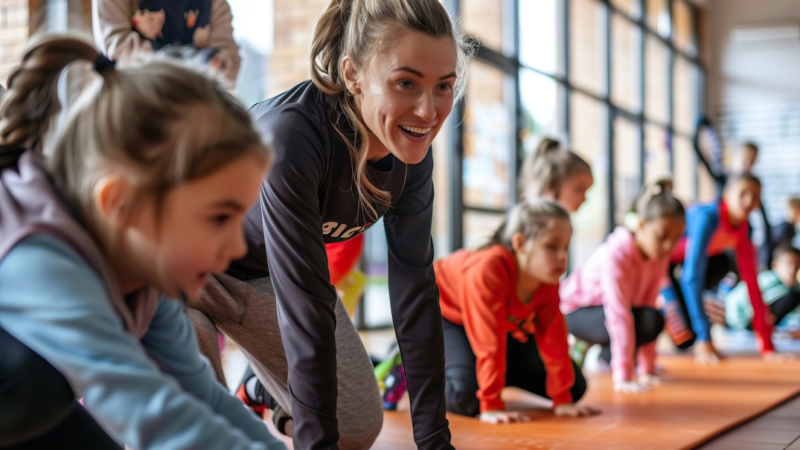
(618, 277)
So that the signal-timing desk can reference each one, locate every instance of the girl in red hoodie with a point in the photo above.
(502, 324)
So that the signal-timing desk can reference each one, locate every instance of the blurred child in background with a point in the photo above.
(611, 299)
(502, 324)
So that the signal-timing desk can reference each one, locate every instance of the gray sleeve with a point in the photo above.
(113, 30)
(299, 271)
(69, 321)
(416, 313)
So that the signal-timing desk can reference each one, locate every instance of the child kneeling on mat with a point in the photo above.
(779, 289)
(502, 325)
(611, 299)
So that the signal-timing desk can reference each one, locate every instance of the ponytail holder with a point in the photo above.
(102, 63)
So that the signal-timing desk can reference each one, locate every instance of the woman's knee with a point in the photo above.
(361, 421)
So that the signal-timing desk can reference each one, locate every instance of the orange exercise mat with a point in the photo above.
(692, 405)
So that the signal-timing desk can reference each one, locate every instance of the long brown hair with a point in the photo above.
(160, 124)
(358, 29)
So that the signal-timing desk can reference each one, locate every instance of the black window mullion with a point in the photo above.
(610, 114)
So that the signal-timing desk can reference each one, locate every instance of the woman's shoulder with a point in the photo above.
(304, 104)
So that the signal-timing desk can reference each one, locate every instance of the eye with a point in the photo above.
(220, 220)
(405, 84)
(444, 87)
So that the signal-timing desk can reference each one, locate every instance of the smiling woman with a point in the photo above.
(353, 146)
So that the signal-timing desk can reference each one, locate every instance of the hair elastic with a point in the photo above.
(102, 63)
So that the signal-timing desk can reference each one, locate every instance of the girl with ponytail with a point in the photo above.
(141, 196)
(502, 325)
(353, 146)
(554, 173)
(610, 300)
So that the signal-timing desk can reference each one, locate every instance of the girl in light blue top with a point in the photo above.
(141, 197)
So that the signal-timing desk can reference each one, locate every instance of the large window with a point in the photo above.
(616, 81)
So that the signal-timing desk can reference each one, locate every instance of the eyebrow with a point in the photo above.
(419, 74)
(229, 204)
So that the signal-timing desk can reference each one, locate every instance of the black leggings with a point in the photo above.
(589, 324)
(783, 306)
(525, 370)
(38, 409)
(718, 266)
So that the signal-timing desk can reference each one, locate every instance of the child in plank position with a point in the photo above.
(556, 174)
(502, 325)
(142, 196)
(711, 230)
(611, 299)
(779, 289)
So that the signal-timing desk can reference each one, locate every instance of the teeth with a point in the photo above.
(416, 130)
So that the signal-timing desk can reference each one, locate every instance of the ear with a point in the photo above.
(350, 74)
(517, 242)
(109, 195)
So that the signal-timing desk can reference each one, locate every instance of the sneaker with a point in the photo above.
(259, 409)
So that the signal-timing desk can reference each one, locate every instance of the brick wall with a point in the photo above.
(294, 29)
(13, 34)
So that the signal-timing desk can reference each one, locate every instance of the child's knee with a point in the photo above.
(650, 323)
(461, 397)
(579, 387)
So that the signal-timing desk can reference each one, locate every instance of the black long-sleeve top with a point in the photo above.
(308, 200)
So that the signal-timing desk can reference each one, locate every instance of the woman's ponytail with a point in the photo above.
(328, 45)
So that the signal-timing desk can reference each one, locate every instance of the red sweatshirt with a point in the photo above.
(478, 290)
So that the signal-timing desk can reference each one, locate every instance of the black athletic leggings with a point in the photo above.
(783, 306)
(525, 370)
(589, 324)
(38, 409)
(718, 266)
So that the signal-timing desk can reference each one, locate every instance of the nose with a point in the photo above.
(238, 246)
(426, 109)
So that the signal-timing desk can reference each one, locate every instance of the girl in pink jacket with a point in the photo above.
(610, 300)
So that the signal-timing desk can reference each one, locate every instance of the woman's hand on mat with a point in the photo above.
(777, 357)
(705, 354)
(630, 387)
(573, 410)
(495, 417)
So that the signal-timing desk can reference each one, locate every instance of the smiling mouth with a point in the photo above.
(416, 132)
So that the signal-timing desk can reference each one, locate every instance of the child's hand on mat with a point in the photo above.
(649, 379)
(495, 417)
(630, 387)
(778, 357)
(573, 410)
(705, 354)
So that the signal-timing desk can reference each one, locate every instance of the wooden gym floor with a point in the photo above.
(711, 408)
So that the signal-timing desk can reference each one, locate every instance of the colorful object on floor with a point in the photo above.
(395, 388)
(258, 409)
(350, 289)
(578, 351)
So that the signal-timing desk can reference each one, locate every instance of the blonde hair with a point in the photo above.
(142, 121)
(530, 218)
(548, 167)
(359, 29)
(656, 202)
